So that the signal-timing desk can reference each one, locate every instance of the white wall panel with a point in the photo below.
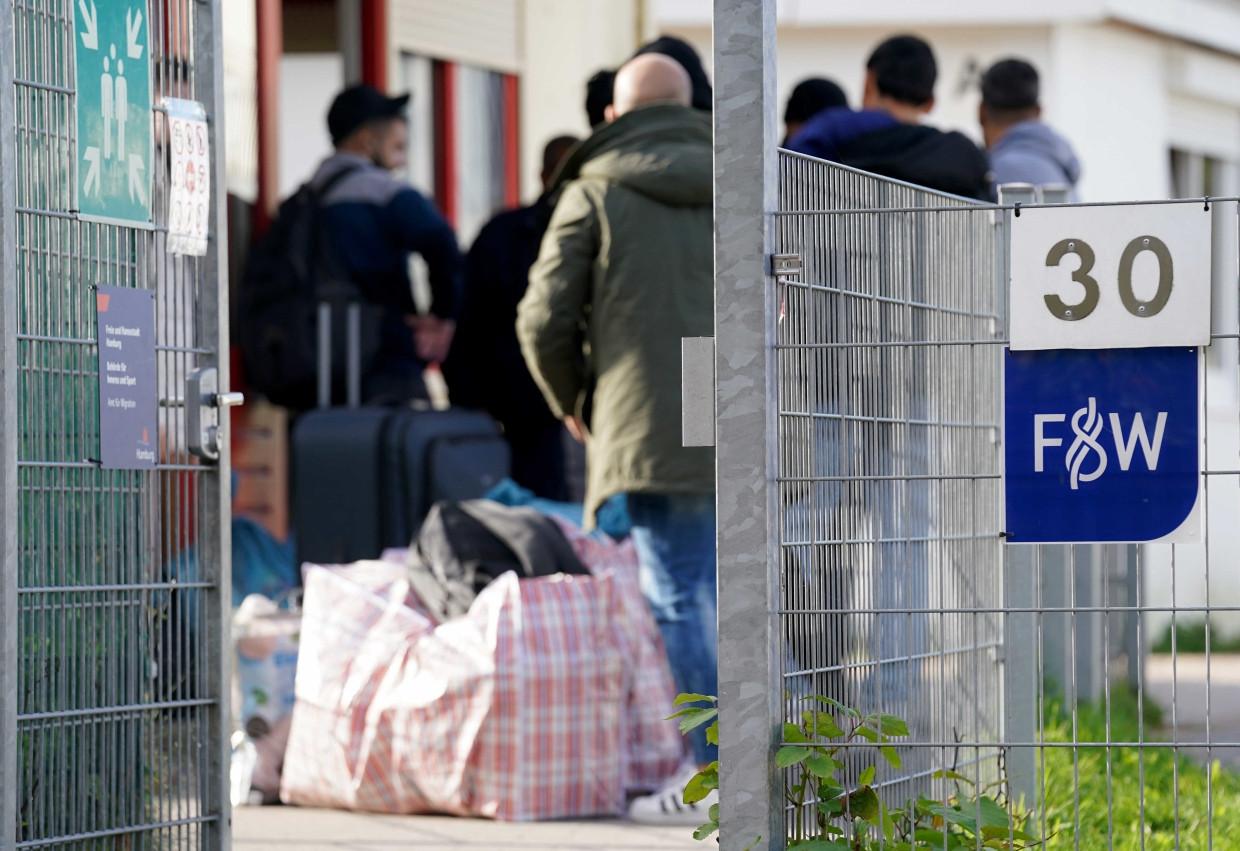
(477, 32)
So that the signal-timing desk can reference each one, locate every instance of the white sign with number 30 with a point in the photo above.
(1120, 277)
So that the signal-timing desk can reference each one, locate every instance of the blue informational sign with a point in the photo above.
(1101, 445)
(112, 49)
(128, 396)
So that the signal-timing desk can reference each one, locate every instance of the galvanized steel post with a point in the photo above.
(8, 440)
(217, 489)
(750, 692)
(1021, 682)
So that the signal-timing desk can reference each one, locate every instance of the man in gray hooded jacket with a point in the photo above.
(1022, 148)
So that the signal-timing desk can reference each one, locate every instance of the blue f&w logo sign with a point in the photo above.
(1101, 445)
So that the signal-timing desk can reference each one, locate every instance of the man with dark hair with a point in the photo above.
(376, 222)
(886, 135)
(904, 69)
(1022, 148)
(683, 53)
(810, 97)
(484, 368)
(598, 97)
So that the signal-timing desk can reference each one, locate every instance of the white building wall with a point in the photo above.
(563, 44)
(1106, 91)
(308, 83)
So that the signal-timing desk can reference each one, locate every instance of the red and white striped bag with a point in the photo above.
(381, 691)
(655, 747)
(521, 709)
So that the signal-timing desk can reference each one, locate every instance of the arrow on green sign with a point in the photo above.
(114, 116)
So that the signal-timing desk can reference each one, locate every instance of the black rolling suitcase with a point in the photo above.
(455, 454)
(364, 478)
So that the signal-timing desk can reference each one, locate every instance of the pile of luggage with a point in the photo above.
(494, 661)
(518, 694)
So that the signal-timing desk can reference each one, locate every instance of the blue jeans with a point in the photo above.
(675, 539)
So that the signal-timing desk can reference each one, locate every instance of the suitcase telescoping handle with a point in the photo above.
(353, 354)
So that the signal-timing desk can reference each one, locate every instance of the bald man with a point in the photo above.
(626, 271)
(646, 79)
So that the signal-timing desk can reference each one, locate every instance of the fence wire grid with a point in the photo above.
(118, 717)
(1044, 670)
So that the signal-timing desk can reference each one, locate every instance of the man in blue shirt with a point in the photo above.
(377, 221)
(1022, 148)
(886, 135)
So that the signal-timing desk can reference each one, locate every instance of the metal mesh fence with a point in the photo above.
(1123, 672)
(116, 581)
(889, 462)
(1094, 685)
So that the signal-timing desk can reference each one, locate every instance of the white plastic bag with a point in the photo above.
(266, 638)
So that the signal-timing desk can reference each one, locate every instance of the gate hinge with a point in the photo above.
(785, 265)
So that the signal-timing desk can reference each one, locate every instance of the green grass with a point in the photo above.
(1130, 795)
(1190, 637)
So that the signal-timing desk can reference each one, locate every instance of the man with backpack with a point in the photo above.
(345, 237)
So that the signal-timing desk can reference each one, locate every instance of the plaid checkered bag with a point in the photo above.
(552, 747)
(654, 747)
(387, 704)
(515, 711)
(428, 716)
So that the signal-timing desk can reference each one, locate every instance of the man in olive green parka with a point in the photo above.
(625, 271)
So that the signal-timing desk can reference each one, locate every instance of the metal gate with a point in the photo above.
(888, 475)
(113, 719)
(1088, 690)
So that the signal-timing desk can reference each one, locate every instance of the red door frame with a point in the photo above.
(374, 43)
(444, 75)
(512, 141)
(269, 32)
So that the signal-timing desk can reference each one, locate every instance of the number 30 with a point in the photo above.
(1134, 305)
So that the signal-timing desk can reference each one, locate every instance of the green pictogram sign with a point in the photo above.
(113, 110)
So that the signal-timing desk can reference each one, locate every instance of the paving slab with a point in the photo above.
(287, 828)
(1191, 689)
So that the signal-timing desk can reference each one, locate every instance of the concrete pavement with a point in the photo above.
(298, 829)
(1198, 687)
(1186, 682)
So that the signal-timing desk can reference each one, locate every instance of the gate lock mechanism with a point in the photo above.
(203, 402)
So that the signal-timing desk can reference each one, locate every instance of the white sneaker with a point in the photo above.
(667, 806)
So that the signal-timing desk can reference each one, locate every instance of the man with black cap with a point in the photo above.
(377, 221)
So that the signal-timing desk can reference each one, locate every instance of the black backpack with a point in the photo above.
(463, 545)
(293, 269)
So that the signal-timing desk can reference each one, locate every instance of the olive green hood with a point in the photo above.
(656, 150)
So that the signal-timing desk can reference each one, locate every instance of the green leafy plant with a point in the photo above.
(839, 808)
(1190, 637)
(1124, 798)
